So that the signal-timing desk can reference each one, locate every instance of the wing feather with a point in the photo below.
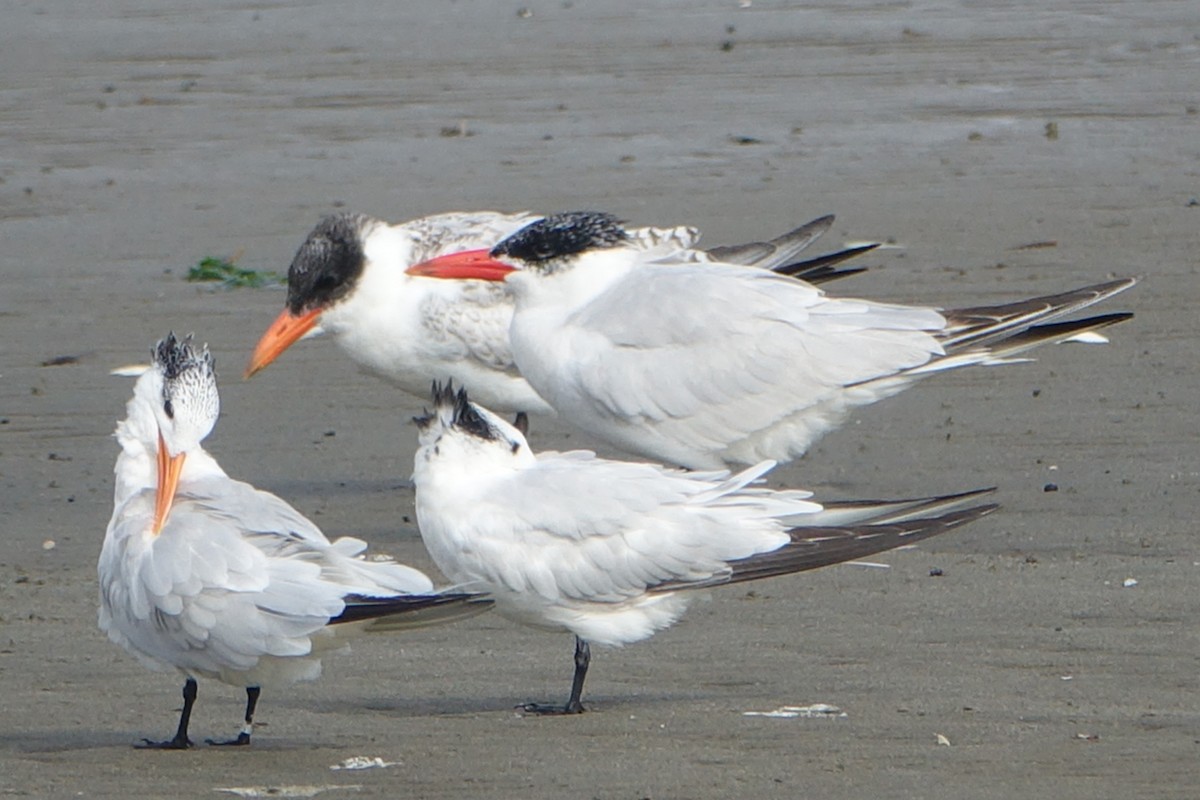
(644, 358)
(649, 526)
(235, 574)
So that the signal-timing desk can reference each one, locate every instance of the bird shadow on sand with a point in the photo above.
(48, 742)
(510, 704)
(332, 486)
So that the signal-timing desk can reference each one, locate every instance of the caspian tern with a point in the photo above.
(210, 576)
(706, 364)
(608, 550)
(349, 280)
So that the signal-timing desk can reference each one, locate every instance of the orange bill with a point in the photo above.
(469, 264)
(169, 468)
(282, 334)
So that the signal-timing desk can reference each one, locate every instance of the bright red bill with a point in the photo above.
(469, 264)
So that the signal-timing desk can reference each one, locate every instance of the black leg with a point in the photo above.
(583, 657)
(244, 736)
(181, 741)
(521, 423)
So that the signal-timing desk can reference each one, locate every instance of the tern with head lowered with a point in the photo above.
(349, 280)
(610, 550)
(708, 364)
(214, 578)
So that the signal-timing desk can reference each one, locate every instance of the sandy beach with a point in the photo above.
(1003, 150)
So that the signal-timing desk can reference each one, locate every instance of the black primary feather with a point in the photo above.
(361, 607)
(560, 235)
(328, 264)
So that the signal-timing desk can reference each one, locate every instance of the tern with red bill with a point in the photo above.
(707, 364)
(351, 280)
(610, 551)
(216, 579)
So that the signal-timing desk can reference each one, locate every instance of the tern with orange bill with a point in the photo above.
(707, 364)
(349, 280)
(216, 579)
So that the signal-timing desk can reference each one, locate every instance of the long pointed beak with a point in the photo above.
(281, 335)
(169, 468)
(469, 264)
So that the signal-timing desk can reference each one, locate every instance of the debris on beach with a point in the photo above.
(815, 711)
(363, 762)
(228, 274)
(62, 361)
(285, 791)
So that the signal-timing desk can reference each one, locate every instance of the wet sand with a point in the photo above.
(141, 137)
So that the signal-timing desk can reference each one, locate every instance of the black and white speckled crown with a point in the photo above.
(562, 235)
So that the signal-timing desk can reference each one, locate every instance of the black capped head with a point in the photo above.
(455, 410)
(189, 402)
(560, 236)
(178, 357)
(328, 264)
(464, 439)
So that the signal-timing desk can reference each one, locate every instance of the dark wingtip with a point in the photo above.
(418, 608)
(821, 269)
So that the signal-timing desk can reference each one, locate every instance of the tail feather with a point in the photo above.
(991, 335)
(982, 326)
(879, 512)
(820, 269)
(812, 548)
(1055, 332)
(780, 250)
(780, 254)
(412, 611)
(825, 545)
(1008, 349)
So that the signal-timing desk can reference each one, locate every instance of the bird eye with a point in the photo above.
(169, 408)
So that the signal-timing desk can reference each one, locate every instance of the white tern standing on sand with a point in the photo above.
(212, 577)
(609, 550)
